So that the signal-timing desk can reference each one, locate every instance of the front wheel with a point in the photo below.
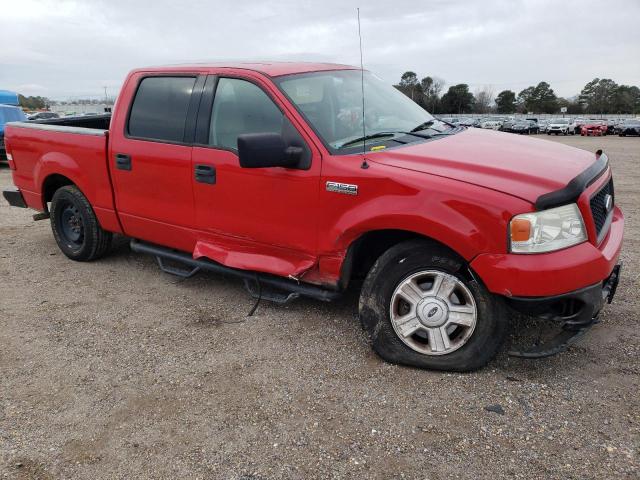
(422, 308)
(76, 227)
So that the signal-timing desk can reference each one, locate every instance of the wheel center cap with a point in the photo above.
(432, 312)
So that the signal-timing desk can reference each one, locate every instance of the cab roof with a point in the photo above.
(272, 69)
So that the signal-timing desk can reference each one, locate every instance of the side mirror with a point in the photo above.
(265, 150)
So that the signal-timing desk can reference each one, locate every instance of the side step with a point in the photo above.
(193, 266)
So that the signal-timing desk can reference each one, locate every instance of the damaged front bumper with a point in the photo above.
(575, 312)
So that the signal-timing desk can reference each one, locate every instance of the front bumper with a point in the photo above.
(576, 309)
(575, 312)
(14, 197)
(554, 273)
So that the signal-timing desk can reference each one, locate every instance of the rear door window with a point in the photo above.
(159, 110)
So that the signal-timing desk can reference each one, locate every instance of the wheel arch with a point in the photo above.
(54, 170)
(51, 183)
(364, 250)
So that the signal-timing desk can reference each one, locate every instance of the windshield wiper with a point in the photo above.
(430, 135)
(413, 132)
(423, 125)
(368, 137)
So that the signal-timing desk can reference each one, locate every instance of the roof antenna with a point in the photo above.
(364, 165)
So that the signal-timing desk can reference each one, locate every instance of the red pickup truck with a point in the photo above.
(280, 174)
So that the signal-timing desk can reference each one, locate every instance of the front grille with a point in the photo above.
(599, 207)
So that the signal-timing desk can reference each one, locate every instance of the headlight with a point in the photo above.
(548, 230)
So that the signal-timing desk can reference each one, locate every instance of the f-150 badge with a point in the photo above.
(345, 188)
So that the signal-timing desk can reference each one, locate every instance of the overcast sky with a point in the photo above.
(72, 48)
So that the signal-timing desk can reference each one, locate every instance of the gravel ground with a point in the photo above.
(115, 370)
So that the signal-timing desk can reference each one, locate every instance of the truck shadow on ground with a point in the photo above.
(208, 288)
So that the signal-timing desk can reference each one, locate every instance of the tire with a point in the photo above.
(75, 226)
(470, 348)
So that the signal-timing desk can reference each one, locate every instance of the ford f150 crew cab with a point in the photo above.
(276, 174)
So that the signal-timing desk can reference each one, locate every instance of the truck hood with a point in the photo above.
(519, 166)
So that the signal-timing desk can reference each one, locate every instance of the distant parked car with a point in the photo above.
(507, 125)
(611, 126)
(525, 126)
(578, 122)
(8, 113)
(43, 116)
(450, 120)
(559, 126)
(593, 128)
(542, 126)
(466, 121)
(628, 127)
(491, 124)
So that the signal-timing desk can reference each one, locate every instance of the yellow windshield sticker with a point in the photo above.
(379, 147)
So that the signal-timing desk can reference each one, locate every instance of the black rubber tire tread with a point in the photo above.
(96, 240)
(405, 259)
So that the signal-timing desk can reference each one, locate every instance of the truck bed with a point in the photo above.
(94, 122)
(74, 145)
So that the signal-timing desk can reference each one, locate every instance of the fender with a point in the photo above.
(466, 218)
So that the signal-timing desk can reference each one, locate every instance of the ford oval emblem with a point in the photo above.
(608, 203)
(432, 312)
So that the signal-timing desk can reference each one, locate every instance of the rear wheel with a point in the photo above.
(76, 227)
(421, 308)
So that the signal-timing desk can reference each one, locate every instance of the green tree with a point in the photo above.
(626, 100)
(506, 101)
(538, 99)
(525, 100)
(599, 95)
(430, 88)
(545, 98)
(458, 99)
(33, 103)
(410, 86)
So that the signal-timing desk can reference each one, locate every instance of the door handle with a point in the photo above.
(123, 162)
(205, 174)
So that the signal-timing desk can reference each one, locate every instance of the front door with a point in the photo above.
(261, 219)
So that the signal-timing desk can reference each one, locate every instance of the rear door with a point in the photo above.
(259, 219)
(150, 158)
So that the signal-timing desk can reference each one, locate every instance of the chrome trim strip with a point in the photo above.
(98, 132)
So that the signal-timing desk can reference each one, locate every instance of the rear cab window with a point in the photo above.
(159, 108)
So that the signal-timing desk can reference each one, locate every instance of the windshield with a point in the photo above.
(332, 103)
(560, 121)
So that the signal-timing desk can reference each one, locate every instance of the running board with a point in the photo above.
(194, 265)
